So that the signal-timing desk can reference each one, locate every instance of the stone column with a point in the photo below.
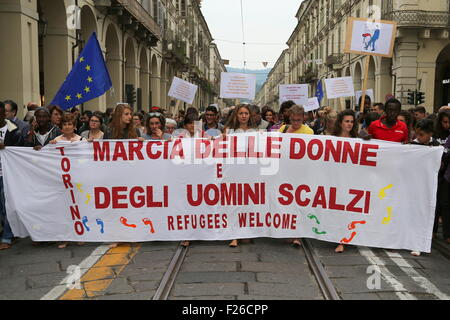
(19, 57)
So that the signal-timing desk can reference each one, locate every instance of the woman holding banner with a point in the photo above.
(296, 119)
(345, 127)
(69, 125)
(122, 125)
(240, 121)
(155, 127)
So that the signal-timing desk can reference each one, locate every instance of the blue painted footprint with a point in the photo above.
(101, 224)
(85, 221)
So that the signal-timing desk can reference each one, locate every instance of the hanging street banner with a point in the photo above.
(294, 92)
(339, 87)
(237, 86)
(183, 90)
(252, 185)
(370, 37)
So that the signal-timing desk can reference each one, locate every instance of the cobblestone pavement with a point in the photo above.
(267, 269)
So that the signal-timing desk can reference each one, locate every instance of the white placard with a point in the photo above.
(294, 92)
(369, 93)
(183, 90)
(339, 87)
(237, 86)
(312, 104)
(370, 37)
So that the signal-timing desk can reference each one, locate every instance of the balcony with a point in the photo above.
(174, 51)
(335, 61)
(419, 18)
(137, 12)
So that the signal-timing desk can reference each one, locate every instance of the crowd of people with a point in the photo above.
(382, 121)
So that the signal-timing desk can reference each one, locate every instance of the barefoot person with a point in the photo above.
(345, 127)
(10, 135)
(296, 119)
(240, 121)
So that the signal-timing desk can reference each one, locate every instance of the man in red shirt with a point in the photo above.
(388, 128)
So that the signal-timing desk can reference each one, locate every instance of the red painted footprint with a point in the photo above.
(149, 222)
(352, 226)
(124, 221)
(345, 240)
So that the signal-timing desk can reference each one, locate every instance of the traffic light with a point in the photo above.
(420, 98)
(130, 94)
(412, 97)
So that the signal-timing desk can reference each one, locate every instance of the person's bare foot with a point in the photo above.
(296, 243)
(114, 245)
(80, 243)
(233, 244)
(4, 246)
(63, 245)
(185, 244)
(340, 248)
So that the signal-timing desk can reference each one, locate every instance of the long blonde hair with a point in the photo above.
(116, 123)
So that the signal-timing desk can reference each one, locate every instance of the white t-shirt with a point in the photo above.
(2, 140)
(42, 137)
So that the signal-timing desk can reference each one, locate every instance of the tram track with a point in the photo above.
(168, 280)
(325, 284)
(314, 264)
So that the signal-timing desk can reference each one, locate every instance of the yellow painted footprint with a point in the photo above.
(382, 193)
(79, 186)
(88, 197)
(388, 219)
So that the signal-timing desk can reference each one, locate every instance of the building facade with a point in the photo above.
(421, 54)
(145, 42)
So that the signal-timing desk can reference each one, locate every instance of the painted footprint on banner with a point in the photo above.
(79, 186)
(316, 231)
(85, 221)
(124, 221)
(388, 219)
(345, 240)
(101, 224)
(88, 197)
(313, 217)
(149, 222)
(352, 226)
(382, 193)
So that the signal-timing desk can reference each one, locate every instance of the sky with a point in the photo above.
(265, 21)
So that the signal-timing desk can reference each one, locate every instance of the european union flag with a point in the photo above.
(88, 79)
(319, 91)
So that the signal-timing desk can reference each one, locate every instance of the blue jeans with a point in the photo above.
(7, 232)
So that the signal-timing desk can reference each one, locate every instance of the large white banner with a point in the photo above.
(237, 86)
(246, 186)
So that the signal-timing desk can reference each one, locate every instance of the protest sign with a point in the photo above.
(243, 186)
(312, 104)
(339, 87)
(369, 92)
(183, 90)
(294, 92)
(370, 37)
(237, 86)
